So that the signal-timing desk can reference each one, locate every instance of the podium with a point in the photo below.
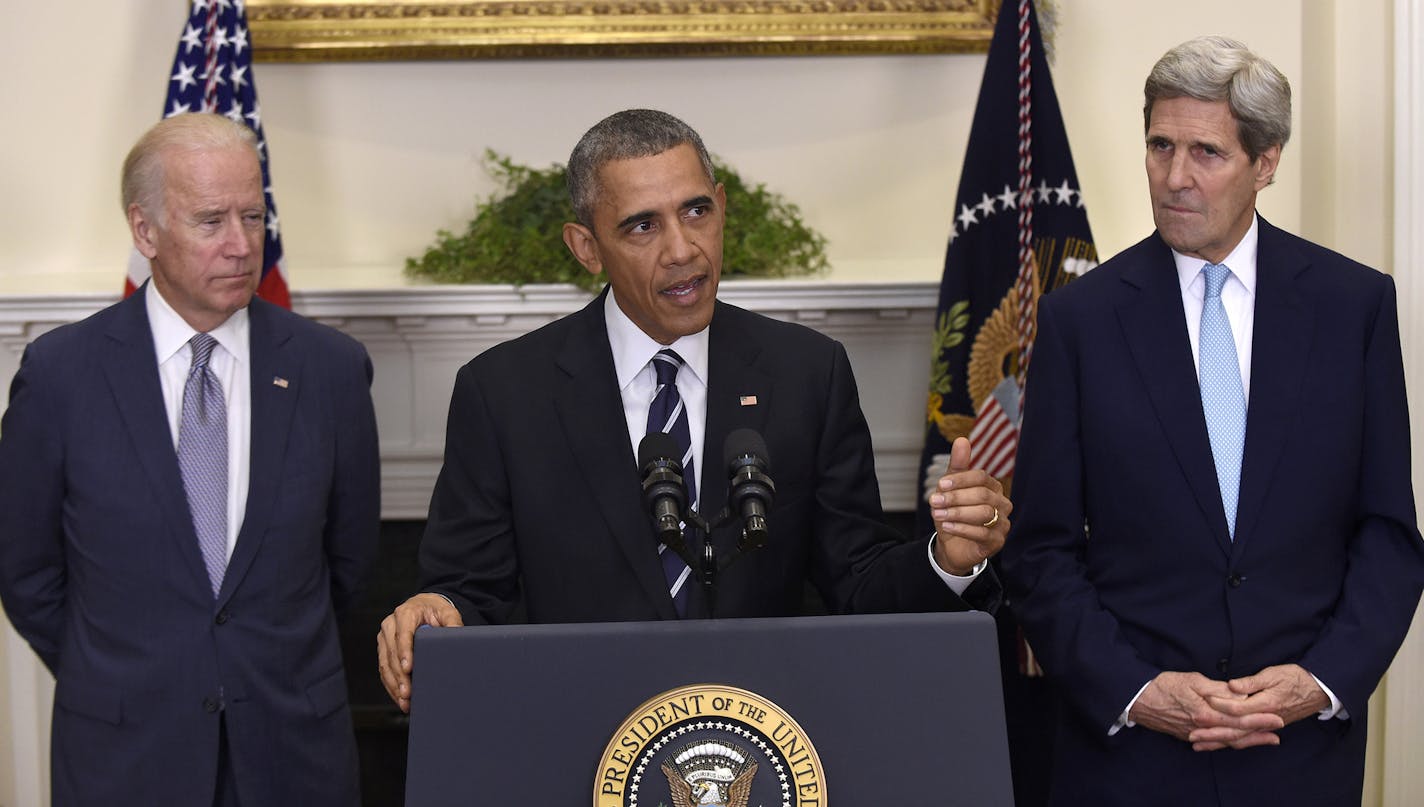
(896, 709)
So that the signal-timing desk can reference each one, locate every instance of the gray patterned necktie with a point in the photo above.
(202, 457)
(1223, 397)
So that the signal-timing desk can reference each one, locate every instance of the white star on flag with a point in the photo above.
(986, 206)
(1009, 198)
(184, 76)
(966, 216)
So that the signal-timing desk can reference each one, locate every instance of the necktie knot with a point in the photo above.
(1216, 275)
(202, 345)
(666, 363)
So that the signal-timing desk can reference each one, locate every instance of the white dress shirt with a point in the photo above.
(1238, 297)
(633, 353)
(231, 364)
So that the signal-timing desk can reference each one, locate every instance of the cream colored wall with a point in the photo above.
(371, 159)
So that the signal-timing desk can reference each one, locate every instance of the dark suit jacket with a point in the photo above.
(539, 499)
(101, 572)
(1120, 565)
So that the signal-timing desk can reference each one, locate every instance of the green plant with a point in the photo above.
(515, 236)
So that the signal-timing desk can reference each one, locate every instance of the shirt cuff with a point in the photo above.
(1335, 709)
(956, 583)
(1123, 721)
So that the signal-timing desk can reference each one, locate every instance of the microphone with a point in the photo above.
(751, 489)
(664, 493)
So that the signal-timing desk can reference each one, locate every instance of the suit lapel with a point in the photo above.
(272, 356)
(590, 411)
(739, 395)
(130, 367)
(1155, 331)
(1280, 349)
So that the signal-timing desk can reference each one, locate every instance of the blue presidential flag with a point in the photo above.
(1019, 229)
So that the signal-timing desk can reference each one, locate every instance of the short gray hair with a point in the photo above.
(142, 181)
(1215, 68)
(625, 135)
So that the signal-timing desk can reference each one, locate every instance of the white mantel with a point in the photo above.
(419, 336)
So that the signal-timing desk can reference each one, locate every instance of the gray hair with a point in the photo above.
(142, 182)
(625, 135)
(1215, 68)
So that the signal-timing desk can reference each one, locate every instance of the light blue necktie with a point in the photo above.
(1223, 398)
(202, 457)
(667, 414)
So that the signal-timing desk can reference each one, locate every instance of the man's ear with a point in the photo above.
(144, 231)
(1266, 164)
(582, 244)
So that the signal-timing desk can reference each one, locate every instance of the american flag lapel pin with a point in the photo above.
(278, 381)
(748, 400)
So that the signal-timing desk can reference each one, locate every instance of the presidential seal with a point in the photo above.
(709, 745)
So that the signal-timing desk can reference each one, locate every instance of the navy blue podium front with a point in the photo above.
(860, 711)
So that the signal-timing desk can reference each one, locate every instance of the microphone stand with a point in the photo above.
(705, 564)
(708, 565)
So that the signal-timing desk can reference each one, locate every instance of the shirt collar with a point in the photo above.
(171, 332)
(1241, 262)
(633, 349)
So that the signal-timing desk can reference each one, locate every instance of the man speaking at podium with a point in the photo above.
(539, 503)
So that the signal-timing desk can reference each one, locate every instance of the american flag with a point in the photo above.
(212, 72)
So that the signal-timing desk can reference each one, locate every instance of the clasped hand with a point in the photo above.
(1240, 713)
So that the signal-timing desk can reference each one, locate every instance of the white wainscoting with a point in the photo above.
(418, 337)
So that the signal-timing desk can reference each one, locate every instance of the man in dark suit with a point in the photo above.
(539, 502)
(188, 490)
(1215, 543)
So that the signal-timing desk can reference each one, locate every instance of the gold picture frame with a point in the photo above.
(347, 30)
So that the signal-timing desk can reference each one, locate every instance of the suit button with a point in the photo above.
(222, 617)
(1222, 664)
(211, 705)
(1235, 580)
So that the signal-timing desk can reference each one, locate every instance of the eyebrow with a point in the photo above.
(643, 215)
(1211, 144)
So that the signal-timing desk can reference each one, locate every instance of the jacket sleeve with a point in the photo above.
(353, 519)
(33, 581)
(1385, 571)
(468, 552)
(862, 566)
(1078, 641)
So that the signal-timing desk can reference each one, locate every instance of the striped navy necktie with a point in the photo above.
(667, 414)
